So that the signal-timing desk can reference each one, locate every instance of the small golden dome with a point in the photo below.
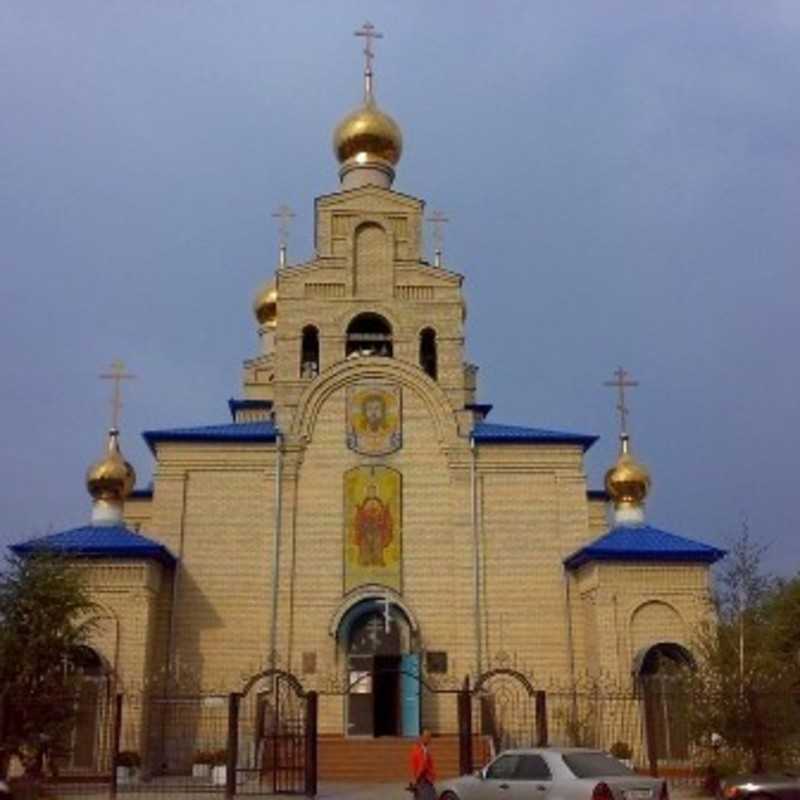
(628, 481)
(367, 135)
(111, 478)
(265, 306)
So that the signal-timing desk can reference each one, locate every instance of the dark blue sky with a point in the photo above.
(622, 180)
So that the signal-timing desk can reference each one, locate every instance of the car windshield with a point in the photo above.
(594, 765)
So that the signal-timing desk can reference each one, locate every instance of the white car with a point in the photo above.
(554, 773)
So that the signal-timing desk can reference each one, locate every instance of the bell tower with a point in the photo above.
(369, 291)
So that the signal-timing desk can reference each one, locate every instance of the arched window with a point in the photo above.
(309, 353)
(369, 334)
(427, 352)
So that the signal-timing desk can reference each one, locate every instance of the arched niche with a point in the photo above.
(92, 698)
(372, 269)
(661, 672)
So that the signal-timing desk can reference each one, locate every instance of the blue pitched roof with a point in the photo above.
(515, 434)
(643, 543)
(262, 431)
(110, 541)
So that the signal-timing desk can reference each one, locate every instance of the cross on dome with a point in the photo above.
(438, 220)
(368, 32)
(285, 215)
(117, 375)
(621, 383)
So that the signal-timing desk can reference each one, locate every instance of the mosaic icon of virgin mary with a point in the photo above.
(374, 419)
(372, 527)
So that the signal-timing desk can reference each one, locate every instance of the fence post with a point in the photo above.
(312, 703)
(650, 732)
(115, 742)
(542, 734)
(465, 755)
(233, 744)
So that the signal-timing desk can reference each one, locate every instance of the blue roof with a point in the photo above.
(515, 434)
(262, 431)
(93, 541)
(247, 405)
(643, 543)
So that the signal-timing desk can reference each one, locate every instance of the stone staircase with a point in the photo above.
(386, 759)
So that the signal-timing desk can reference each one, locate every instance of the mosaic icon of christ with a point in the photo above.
(373, 416)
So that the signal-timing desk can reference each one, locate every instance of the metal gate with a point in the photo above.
(276, 737)
(504, 706)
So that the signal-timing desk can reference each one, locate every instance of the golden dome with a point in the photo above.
(265, 306)
(111, 478)
(367, 135)
(628, 481)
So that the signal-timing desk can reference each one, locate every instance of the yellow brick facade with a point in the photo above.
(485, 526)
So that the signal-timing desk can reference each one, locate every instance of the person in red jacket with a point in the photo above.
(423, 773)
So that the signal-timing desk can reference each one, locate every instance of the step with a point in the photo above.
(387, 758)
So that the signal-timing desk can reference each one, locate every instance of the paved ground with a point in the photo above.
(338, 791)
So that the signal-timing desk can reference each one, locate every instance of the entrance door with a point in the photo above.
(387, 709)
(379, 692)
(409, 665)
(359, 699)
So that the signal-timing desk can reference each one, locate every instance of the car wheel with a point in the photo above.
(448, 796)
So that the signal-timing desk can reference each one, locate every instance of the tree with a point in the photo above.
(46, 616)
(745, 686)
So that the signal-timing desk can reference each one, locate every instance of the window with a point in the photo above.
(594, 765)
(369, 334)
(436, 661)
(503, 768)
(427, 351)
(309, 353)
(532, 768)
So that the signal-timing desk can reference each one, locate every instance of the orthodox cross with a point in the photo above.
(438, 220)
(621, 383)
(387, 616)
(284, 215)
(372, 630)
(367, 30)
(117, 375)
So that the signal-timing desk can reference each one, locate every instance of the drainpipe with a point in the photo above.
(276, 548)
(475, 551)
(176, 581)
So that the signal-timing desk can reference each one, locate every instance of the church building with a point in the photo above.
(361, 519)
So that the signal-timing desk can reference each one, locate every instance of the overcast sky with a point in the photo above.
(622, 182)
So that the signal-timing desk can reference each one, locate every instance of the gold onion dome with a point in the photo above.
(111, 478)
(368, 136)
(628, 481)
(265, 305)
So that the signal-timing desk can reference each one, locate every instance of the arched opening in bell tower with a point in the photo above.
(309, 353)
(427, 352)
(369, 334)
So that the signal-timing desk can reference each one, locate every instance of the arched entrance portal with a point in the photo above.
(383, 696)
(87, 735)
(661, 671)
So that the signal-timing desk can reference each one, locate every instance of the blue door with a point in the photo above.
(410, 694)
